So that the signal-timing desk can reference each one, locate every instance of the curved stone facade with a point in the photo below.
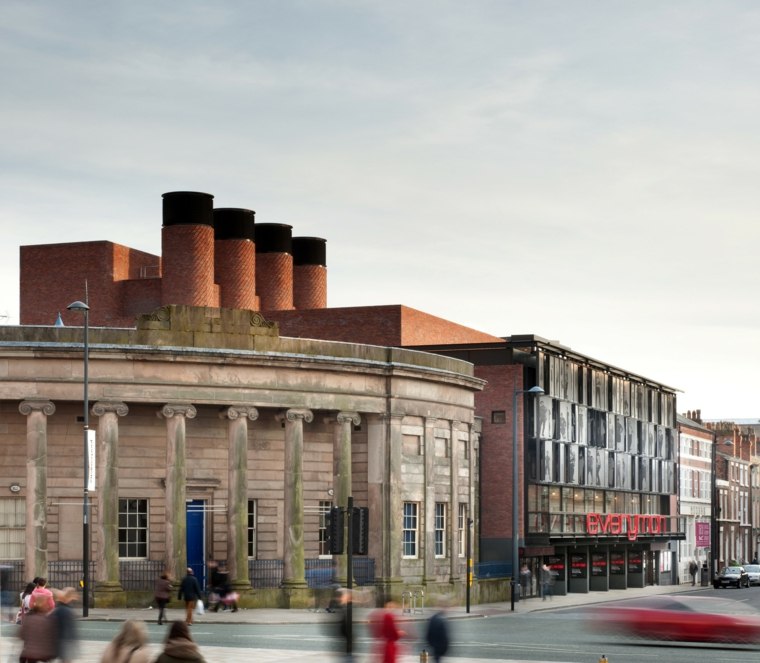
(211, 407)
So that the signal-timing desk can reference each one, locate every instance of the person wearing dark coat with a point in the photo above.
(162, 593)
(179, 646)
(437, 636)
(38, 633)
(190, 591)
(66, 625)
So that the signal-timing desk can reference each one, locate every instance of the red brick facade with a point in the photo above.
(395, 325)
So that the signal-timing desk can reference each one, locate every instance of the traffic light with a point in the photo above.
(360, 530)
(335, 530)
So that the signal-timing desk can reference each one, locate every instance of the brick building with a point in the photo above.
(696, 490)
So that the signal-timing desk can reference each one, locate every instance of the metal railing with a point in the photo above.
(141, 574)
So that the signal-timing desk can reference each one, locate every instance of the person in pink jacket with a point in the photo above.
(42, 590)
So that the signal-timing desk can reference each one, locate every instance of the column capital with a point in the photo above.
(347, 418)
(179, 409)
(43, 405)
(239, 411)
(294, 414)
(102, 407)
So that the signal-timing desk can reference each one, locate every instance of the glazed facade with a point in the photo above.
(600, 461)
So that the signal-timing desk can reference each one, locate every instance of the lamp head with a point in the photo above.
(78, 306)
(535, 390)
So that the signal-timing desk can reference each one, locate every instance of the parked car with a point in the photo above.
(753, 571)
(731, 576)
(680, 618)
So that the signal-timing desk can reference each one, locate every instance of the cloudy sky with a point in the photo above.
(582, 170)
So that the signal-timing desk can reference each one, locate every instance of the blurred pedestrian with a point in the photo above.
(437, 635)
(162, 593)
(212, 590)
(693, 568)
(190, 591)
(388, 633)
(43, 590)
(339, 607)
(179, 646)
(37, 632)
(526, 578)
(547, 581)
(24, 598)
(65, 625)
(227, 598)
(129, 646)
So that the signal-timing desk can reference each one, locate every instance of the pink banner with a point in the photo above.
(702, 532)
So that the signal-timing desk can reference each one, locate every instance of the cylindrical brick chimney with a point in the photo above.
(274, 266)
(309, 273)
(235, 257)
(187, 249)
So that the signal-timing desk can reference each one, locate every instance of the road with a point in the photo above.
(562, 635)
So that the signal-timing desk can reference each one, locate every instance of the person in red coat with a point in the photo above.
(388, 633)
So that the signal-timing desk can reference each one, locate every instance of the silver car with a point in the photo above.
(753, 571)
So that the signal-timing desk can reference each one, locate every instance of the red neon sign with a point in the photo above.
(625, 523)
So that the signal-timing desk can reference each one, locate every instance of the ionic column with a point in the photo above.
(294, 572)
(473, 450)
(453, 523)
(176, 415)
(237, 492)
(395, 511)
(342, 482)
(36, 410)
(427, 526)
(107, 493)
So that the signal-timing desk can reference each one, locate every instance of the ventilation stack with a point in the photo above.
(274, 266)
(309, 273)
(187, 249)
(235, 257)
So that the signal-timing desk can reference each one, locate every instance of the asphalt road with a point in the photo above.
(561, 635)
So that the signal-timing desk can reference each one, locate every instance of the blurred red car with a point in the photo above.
(684, 618)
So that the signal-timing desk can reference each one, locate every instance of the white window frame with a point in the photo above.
(440, 529)
(12, 528)
(252, 528)
(462, 528)
(130, 522)
(410, 535)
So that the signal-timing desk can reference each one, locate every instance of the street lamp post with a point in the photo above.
(515, 492)
(85, 309)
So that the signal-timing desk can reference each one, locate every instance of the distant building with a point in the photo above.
(736, 491)
(696, 489)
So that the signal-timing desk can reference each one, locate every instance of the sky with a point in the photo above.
(586, 171)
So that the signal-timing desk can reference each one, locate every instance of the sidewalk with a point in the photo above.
(362, 614)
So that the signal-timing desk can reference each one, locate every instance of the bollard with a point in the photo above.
(603, 659)
(424, 656)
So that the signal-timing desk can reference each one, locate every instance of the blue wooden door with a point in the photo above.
(196, 539)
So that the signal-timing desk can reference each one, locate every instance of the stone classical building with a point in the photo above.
(218, 439)
(216, 436)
